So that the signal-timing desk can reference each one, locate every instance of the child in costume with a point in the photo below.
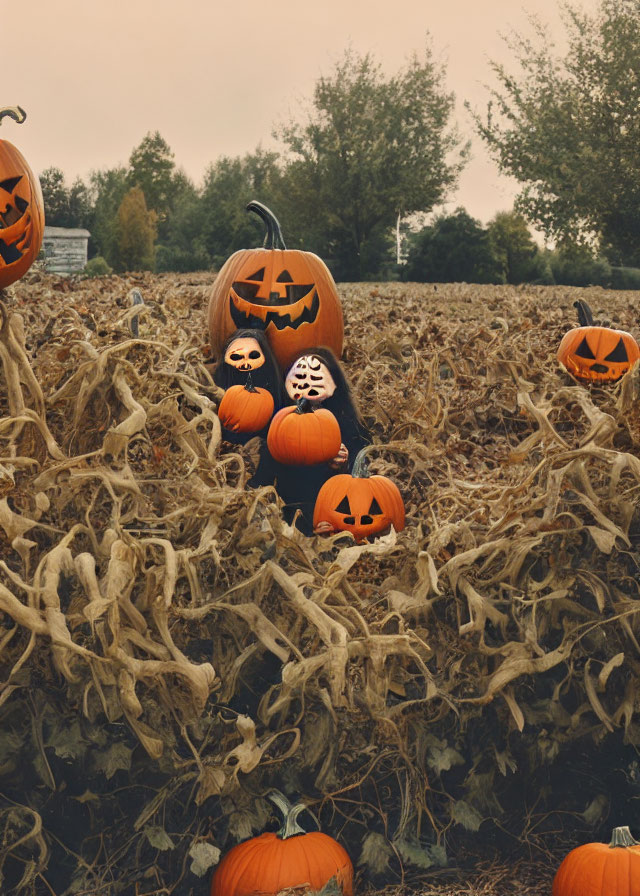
(317, 375)
(247, 357)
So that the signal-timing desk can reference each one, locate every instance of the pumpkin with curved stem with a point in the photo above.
(300, 435)
(291, 858)
(359, 503)
(288, 293)
(21, 209)
(596, 353)
(246, 408)
(601, 869)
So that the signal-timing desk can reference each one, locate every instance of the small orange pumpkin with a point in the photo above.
(246, 408)
(594, 353)
(21, 209)
(301, 435)
(289, 859)
(359, 503)
(288, 293)
(601, 869)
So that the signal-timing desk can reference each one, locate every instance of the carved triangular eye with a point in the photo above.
(259, 275)
(284, 277)
(584, 351)
(10, 183)
(619, 354)
(344, 506)
(375, 508)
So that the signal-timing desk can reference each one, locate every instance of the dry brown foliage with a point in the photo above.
(170, 648)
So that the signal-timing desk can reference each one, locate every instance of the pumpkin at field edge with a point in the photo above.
(288, 293)
(21, 208)
(292, 858)
(301, 435)
(596, 353)
(359, 503)
(601, 869)
(245, 408)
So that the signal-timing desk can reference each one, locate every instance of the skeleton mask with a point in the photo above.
(309, 378)
(244, 354)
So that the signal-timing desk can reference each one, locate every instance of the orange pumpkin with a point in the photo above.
(246, 408)
(288, 293)
(289, 859)
(301, 435)
(358, 503)
(21, 209)
(594, 353)
(601, 869)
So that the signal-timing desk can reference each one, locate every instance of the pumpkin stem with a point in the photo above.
(304, 406)
(622, 837)
(585, 317)
(273, 238)
(290, 826)
(16, 112)
(249, 384)
(360, 469)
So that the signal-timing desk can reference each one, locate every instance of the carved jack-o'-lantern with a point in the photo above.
(596, 353)
(288, 293)
(358, 503)
(21, 209)
(244, 354)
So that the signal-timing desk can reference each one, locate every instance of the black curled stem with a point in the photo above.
(273, 237)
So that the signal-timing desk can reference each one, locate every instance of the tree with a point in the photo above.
(55, 196)
(454, 249)
(152, 168)
(136, 233)
(229, 184)
(514, 249)
(372, 148)
(568, 129)
(108, 188)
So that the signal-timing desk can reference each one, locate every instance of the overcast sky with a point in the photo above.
(216, 77)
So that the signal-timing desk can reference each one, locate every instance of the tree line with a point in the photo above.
(378, 153)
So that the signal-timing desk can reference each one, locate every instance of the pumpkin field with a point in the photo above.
(455, 703)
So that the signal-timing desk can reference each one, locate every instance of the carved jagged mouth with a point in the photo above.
(253, 315)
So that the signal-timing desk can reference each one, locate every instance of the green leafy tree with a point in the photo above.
(152, 168)
(567, 127)
(107, 189)
(513, 247)
(136, 233)
(55, 196)
(373, 148)
(65, 207)
(229, 184)
(455, 248)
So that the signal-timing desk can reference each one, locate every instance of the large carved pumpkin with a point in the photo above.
(289, 860)
(601, 869)
(21, 209)
(288, 293)
(596, 354)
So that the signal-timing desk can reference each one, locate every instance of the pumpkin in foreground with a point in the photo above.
(596, 354)
(359, 503)
(21, 209)
(291, 858)
(601, 869)
(288, 293)
(301, 435)
(246, 408)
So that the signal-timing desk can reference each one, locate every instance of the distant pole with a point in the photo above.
(398, 240)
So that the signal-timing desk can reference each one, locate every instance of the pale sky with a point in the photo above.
(216, 77)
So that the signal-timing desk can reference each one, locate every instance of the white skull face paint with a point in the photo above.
(309, 378)
(244, 354)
